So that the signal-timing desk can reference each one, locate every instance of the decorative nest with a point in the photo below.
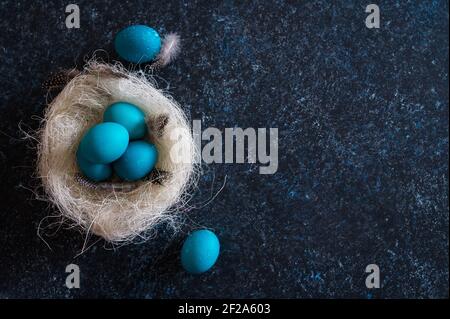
(115, 210)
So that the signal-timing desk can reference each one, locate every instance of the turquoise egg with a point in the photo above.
(129, 116)
(95, 172)
(137, 161)
(137, 44)
(200, 251)
(104, 143)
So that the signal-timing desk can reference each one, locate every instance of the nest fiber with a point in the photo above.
(115, 210)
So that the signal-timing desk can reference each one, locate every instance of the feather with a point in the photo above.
(158, 124)
(156, 177)
(124, 187)
(169, 49)
(59, 79)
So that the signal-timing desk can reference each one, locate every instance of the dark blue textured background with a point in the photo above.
(363, 123)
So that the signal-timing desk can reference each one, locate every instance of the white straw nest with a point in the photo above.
(115, 210)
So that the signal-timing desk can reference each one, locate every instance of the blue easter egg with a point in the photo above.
(129, 116)
(137, 44)
(104, 143)
(137, 161)
(95, 172)
(200, 251)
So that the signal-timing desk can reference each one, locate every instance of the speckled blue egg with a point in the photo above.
(95, 172)
(137, 44)
(200, 251)
(104, 143)
(137, 161)
(129, 116)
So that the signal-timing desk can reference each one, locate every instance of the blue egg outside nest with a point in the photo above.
(200, 251)
(137, 44)
(129, 116)
(95, 172)
(104, 143)
(137, 161)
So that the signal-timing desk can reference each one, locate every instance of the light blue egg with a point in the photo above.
(200, 251)
(137, 161)
(104, 143)
(137, 44)
(95, 172)
(129, 116)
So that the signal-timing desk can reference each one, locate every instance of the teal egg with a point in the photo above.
(95, 172)
(104, 143)
(137, 161)
(200, 251)
(137, 44)
(129, 116)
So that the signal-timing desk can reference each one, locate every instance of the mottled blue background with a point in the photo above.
(363, 123)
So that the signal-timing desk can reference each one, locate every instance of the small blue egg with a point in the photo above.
(200, 251)
(129, 116)
(104, 143)
(95, 172)
(137, 161)
(137, 44)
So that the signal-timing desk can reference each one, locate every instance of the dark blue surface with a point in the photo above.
(363, 124)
